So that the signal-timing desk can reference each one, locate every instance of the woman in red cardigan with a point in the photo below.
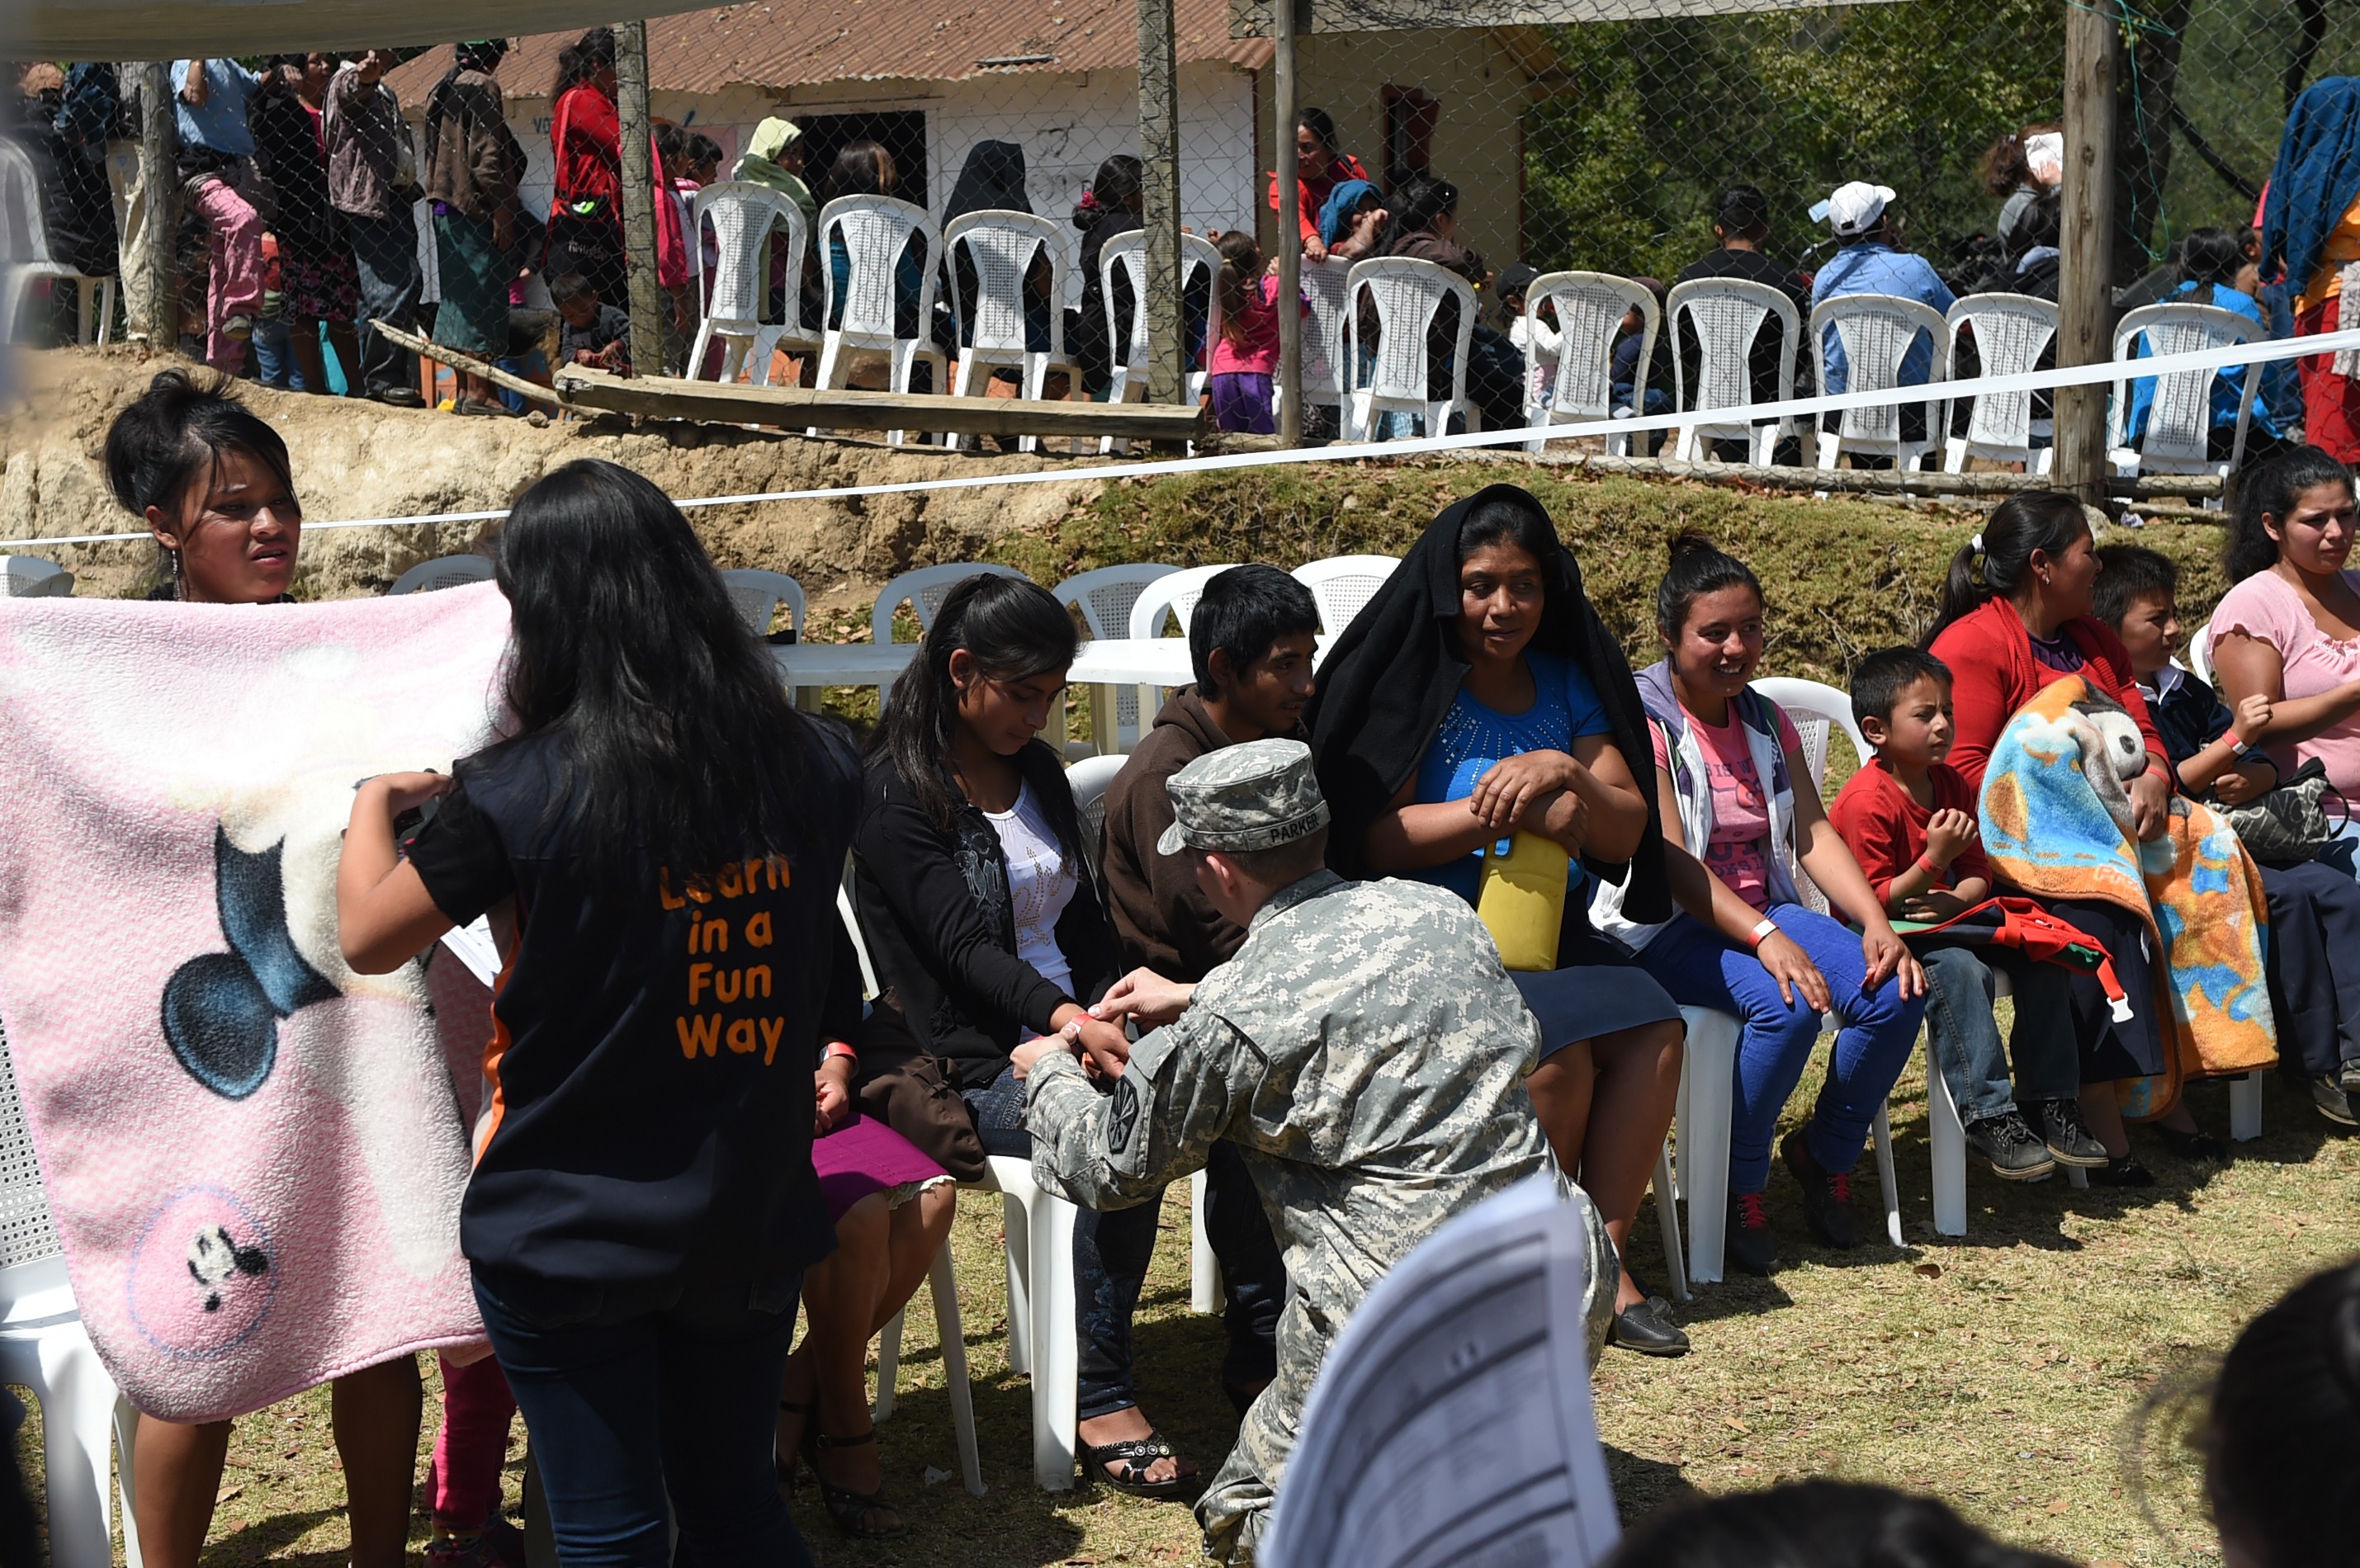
(2006, 632)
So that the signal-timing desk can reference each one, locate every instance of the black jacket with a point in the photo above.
(941, 930)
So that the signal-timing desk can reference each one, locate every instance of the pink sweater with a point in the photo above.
(1253, 350)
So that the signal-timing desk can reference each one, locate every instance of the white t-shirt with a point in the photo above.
(1040, 885)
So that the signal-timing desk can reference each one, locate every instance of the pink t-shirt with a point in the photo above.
(1740, 851)
(2264, 606)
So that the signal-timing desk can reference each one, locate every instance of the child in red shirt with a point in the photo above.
(1909, 819)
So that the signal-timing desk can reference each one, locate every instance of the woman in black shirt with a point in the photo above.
(658, 844)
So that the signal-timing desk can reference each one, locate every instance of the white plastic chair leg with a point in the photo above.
(1204, 1269)
(79, 1415)
(889, 1367)
(2245, 1107)
(1667, 1220)
(955, 1375)
(1954, 455)
(1017, 1222)
(1057, 1356)
(127, 1444)
(1685, 444)
(1882, 1136)
(1946, 1136)
(1709, 1096)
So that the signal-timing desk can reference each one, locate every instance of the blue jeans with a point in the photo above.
(1960, 986)
(1112, 1249)
(274, 360)
(1701, 968)
(647, 1404)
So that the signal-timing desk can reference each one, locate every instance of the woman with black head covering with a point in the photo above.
(993, 180)
(1478, 696)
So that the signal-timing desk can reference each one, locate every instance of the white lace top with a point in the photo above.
(1040, 885)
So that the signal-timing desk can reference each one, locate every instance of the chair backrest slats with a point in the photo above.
(743, 216)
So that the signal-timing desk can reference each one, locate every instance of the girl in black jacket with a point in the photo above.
(982, 911)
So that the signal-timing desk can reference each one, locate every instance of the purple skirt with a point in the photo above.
(1242, 401)
(863, 1156)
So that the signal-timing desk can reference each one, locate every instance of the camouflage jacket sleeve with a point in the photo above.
(1114, 1150)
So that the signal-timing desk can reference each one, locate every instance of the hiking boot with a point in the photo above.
(2333, 1102)
(2069, 1138)
(1827, 1196)
(2347, 1078)
(498, 1545)
(1747, 1243)
(2015, 1155)
(1647, 1330)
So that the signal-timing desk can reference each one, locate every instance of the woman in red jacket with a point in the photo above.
(1320, 166)
(2019, 623)
(585, 135)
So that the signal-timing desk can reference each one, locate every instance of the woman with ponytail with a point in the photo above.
(983, 915)
(2015, 616)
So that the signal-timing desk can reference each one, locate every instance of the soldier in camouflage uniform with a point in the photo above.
(1364, 1050)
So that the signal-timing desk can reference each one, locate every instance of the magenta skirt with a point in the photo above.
(863, 1156)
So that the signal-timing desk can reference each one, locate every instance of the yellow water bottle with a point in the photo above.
(1522, 899)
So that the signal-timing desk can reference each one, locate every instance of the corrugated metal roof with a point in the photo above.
(772, 43)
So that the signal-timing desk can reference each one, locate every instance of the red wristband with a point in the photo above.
(1926, 863)
(836, 1048)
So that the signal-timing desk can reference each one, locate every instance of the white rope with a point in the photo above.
(1751, 413)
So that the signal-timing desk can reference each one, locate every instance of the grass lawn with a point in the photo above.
(1999, 1372)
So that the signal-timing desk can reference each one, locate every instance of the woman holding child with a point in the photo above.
(2015, 616)
(1479, 696)
(1725, 762)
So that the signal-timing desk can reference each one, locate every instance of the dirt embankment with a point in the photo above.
(355, 459)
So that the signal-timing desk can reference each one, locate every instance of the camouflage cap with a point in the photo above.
(1256, 796)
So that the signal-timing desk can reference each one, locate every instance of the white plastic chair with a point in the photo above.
(1407, 295)
(876, 231)
(31, 577)
(1877, 333)
(1341, 585)
(2011, 332)
(758, 595)
(1105, 599)
(1127, 254)
(44, 1348)
(2199, 655)
(1324, 367)
(442, 571)
(925, 588)
(2179, 420)
(1173, 594)
(1000, 245)
(1725, 315)
(744, 216)
(1590, 306)
(25, 253)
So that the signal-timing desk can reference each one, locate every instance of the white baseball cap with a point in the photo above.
(1853, 209)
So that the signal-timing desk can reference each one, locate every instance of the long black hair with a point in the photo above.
(677, 742)
(2211, 256)
(173, 436)
(2283, 1422)
(2270, 489)
(1698, 567)
(1115, 194)
(583, 60)
(2045, 520)
(1015, 629)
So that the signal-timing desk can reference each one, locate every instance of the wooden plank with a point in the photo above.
(426, 349)
(797, 408)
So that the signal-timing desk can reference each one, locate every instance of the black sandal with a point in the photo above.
(1135, 1454)
(849, 1509)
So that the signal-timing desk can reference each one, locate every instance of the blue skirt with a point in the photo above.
(1596, 988)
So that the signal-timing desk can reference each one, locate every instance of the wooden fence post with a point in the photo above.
(1159, 146)
(2093, 52)
(650, 314)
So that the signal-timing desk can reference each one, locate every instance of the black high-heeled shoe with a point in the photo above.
(847, 1508)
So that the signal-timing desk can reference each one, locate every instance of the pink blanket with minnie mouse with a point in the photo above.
(255, 1156)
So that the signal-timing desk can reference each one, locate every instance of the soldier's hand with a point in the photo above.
(1146, 995)
(1514, 784)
